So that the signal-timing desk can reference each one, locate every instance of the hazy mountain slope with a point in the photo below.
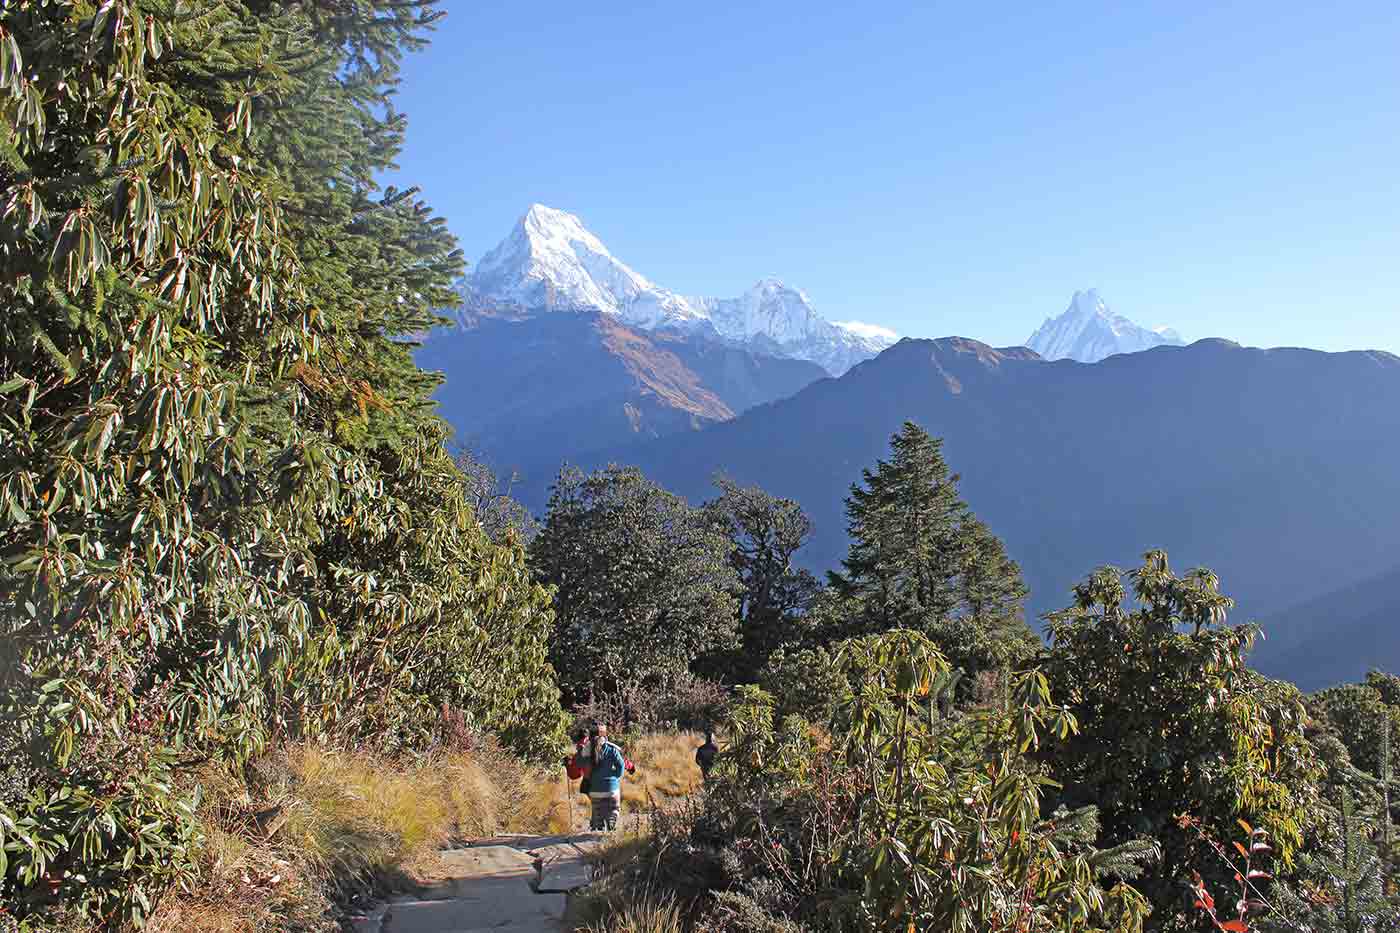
(1088, 331)
(1336, 637)
(527, 393)
(1277, 468)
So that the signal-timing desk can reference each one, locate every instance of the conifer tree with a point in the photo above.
(1386, 776)
(919, 559)
(1342, 886)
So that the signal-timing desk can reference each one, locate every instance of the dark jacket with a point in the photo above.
(705, 756)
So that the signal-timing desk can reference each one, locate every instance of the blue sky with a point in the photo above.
(940, 169)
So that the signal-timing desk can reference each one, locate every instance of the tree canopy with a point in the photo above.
(226, 514)
(642, 581)
(766, 533)
(1172, 724)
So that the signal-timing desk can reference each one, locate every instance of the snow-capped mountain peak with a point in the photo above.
(1089, 331)
(552, 262)
(779, 318)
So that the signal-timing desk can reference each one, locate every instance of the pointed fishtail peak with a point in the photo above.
(1088, 302)
(1089, 331)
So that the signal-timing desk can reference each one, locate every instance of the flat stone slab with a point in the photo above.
(480, 861)
(489, 886)
(500, 902)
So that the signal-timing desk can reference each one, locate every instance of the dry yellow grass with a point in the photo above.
(609, 906)
(643, 915)
(666, 769)
(552, 806)
(328, 824)
(325, 824)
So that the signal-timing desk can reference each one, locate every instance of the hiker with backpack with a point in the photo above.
(601, 765)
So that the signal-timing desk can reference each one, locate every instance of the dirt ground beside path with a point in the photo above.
(490, 885)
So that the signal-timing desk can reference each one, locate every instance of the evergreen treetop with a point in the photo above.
(919, 559)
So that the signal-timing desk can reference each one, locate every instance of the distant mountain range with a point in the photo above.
(1278, 469)
(1088, 332)
(551, 263)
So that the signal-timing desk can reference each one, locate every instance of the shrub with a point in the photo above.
(803, 682)
(227, 519)
(914, 816)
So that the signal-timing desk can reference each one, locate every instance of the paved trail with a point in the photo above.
(490, 886)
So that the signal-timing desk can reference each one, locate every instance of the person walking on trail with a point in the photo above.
(705, 755)
(603, 766)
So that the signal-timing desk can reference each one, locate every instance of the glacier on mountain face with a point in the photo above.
(551, 262)
(1088, 331)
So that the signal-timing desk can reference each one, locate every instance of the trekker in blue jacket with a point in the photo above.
(606, 765)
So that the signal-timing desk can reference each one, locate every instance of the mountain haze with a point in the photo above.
(1337, 637)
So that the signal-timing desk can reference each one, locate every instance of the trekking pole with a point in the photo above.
(569, 802)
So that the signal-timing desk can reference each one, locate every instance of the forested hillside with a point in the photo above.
(902, 751)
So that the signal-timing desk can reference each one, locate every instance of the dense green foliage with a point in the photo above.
(642, 581)
(904, 819)
(765, 534)
(1358, 714)
(1171, 722)
(228, 519)
(920, 559)
(226, 514)
(1343, 887)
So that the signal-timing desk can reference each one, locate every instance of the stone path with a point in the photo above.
(509, 884)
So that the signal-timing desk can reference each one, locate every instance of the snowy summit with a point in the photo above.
(1089, 331)
(550, 262)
